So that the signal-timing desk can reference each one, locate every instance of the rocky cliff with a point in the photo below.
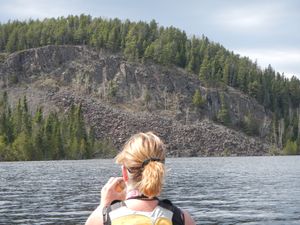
(121, 98)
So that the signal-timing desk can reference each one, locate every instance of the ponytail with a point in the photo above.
(152, 179)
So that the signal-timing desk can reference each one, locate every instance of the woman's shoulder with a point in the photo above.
(188, 220)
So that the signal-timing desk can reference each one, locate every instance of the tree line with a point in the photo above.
(27, 136)
(143, 42)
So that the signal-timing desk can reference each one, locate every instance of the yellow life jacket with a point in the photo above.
(165, 213)
(126, 216)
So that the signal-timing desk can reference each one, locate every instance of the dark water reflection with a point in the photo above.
(241, 190)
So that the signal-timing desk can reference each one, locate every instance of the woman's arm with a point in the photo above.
(188, 220)
(96, 217)
(108, 195)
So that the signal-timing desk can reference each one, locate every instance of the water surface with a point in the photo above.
(233, 190)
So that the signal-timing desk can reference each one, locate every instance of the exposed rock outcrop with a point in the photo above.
(120, 98)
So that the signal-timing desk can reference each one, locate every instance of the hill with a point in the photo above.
(138, 67)
(120, 98)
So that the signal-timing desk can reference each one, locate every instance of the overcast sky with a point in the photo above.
(264, 30)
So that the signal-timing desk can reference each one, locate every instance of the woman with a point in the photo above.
(143, 171)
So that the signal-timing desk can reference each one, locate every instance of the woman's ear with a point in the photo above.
(125, 173)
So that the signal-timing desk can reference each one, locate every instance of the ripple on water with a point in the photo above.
(237, 190)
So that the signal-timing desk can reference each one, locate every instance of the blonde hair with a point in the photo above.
(143, 155)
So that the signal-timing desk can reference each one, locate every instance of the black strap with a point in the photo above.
(113, 206)
(178, 215)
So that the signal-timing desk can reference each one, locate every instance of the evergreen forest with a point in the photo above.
(36, 136)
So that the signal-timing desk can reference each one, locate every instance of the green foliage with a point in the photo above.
(13, 79)
(112, 89)
(223, 114)
(3, 148)
(21, 147)
(226, 152)
(24, 136)
(275, 151)
(198, 101)
(250, 125)
(298, 145)
(147, 98)
(3, 56)
(254, 89)
(205, 70)
(290, 148)
(105, 149)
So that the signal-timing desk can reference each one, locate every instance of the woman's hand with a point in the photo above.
(110, 192)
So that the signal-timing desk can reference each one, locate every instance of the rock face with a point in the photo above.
(121, 98)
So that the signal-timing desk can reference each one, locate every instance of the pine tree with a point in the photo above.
(3, 149)
(21, 147)
(26, 117)
(6, 127)
(131, 50)
(290, 148)
(198, 101)
(223, 114)
(205, 69)
(11, 45)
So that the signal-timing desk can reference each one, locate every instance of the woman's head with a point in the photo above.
(143, 155)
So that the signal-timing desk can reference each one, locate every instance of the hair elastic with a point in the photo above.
(146, 162)
(151, 160)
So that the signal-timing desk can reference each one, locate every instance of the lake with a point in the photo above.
(231, 190)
